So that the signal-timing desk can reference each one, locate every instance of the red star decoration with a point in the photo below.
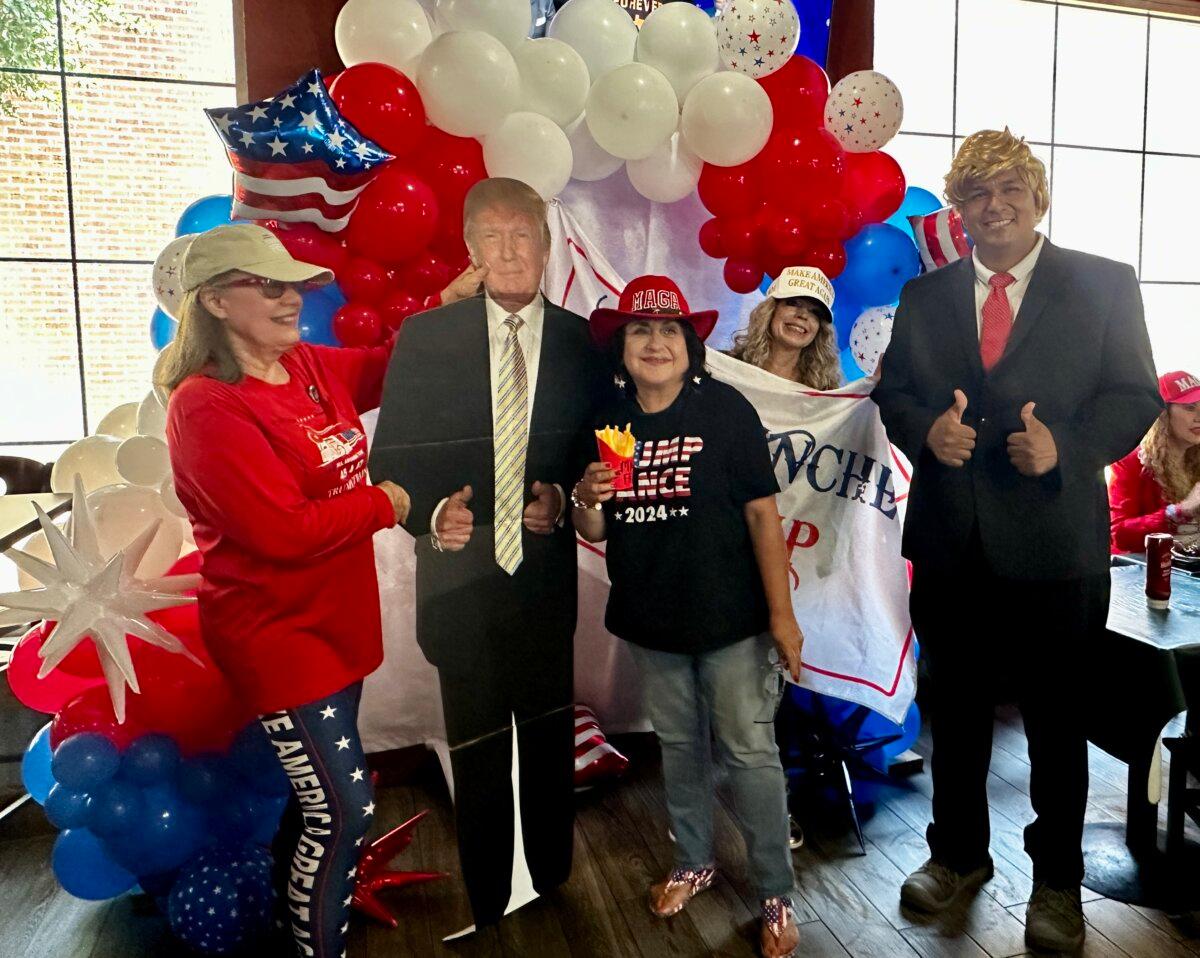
(373, 874)
(752, 36)
(863, 120)
(770, 53)
(783, 40)
(857, 101)
(876, 114)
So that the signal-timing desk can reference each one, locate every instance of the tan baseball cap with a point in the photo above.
(249, 248)
(805, 282)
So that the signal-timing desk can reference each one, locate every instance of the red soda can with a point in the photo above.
(1158, 569)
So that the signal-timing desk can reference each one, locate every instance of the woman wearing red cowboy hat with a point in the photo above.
(699, 587)
(1156, 488)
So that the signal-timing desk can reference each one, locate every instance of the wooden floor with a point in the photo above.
(848, 901)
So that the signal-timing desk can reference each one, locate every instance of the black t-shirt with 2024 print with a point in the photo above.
(684, 577)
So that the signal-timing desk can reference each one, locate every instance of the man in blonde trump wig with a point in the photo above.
(1014, 376)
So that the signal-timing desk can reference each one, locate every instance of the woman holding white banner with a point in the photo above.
(791, 332)
(685, 496)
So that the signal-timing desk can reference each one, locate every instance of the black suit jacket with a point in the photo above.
(1078, 349)
(435, 436)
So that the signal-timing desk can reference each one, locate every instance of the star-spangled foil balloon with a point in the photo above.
(295, 158)
(89, 596)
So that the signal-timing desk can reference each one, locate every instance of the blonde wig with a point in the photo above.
(200, 345)
(989, 153)
(1175, 473)
(818, 365)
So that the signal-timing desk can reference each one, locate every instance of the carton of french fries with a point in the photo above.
(616, 452)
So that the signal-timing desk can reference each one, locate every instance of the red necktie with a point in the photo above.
(997, 320)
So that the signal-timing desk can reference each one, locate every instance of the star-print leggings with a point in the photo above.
(320, 838)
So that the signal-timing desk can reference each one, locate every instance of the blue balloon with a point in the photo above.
(849, 367)
(909, 732)
(880, 259)
(917, 202)
(255, 761)
(85, 760)
(205, 213)
(223, 899)
(845, 312)
(36, 773)
(85, 869)
(150, 759)
(115, 808)
(203, 779)
(162, 329)
(316, 315)
(268, 822)
(234, 818)
(168, 832)
(66, 808)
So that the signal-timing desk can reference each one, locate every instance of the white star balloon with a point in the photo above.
(91, 596)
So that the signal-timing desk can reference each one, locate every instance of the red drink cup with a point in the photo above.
(622, 466)
(1158, 570)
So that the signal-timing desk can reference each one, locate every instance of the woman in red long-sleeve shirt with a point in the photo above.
(270, 462)
(1156, 488)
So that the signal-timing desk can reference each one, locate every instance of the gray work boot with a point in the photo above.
(1054, 919)
(935, 887)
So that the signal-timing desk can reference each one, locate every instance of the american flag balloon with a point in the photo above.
(941, 237)
(295, 158)
(757, 37)
(595, 758)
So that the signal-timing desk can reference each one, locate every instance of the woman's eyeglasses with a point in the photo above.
(274, 288)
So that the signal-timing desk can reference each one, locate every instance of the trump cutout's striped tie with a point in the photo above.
(512, 433)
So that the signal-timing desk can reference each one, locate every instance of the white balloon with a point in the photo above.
(36, 545)
(120, 421)
(507, 20)
(727, 119)
(870, 335)
(554, 79)
(531, 148)
(589, 161)
(94, 458)
(632, 110)
(668, 174)
(468, 82)
(394, 32)
(757, 37)
(143, 460)
(171, 499)
(152, 417)
(679, 40)
(156, 375)
(864, 111)
(123, 512)
(165, 278)
(599, 31)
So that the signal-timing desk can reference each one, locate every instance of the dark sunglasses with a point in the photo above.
(274, 288)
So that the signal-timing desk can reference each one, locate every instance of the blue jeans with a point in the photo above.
(727, 697)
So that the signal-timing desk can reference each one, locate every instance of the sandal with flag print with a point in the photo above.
(780, 938)
(670, 897)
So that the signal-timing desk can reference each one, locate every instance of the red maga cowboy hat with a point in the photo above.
(650, 297)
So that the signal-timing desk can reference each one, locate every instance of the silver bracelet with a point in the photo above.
(579, 503)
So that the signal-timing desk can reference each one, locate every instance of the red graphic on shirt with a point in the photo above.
(343, 447)
(662, 469)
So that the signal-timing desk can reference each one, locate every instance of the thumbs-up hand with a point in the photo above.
(949, 440)
(455, 522)
(542, 513)
(1032, 451)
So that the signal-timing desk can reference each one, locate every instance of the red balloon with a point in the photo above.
(740, 235)
(742, 275)
(364, 281)
(357, 324)
(786, 235)
(397, 307)
(729, 190)
(383, 104)
(798, 92)
(773, 264)
(799, 164)
(425, 275)
(395, 218)
(47, 694)
(829, 218)
(92, 711)
(826, 255)
(710, 240)
(310, 244)
(451, 248)
(186, 565)
(451, 165)
(874, 185)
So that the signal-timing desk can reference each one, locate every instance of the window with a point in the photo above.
(101, 155)
(1104, 98)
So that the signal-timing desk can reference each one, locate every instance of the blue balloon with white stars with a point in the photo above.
(223, 899)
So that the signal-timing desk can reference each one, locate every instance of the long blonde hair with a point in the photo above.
(200, 345)
(1175, 473)
(818, 364)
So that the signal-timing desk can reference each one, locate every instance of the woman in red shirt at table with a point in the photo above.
(270, 462)
(1156, 488)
